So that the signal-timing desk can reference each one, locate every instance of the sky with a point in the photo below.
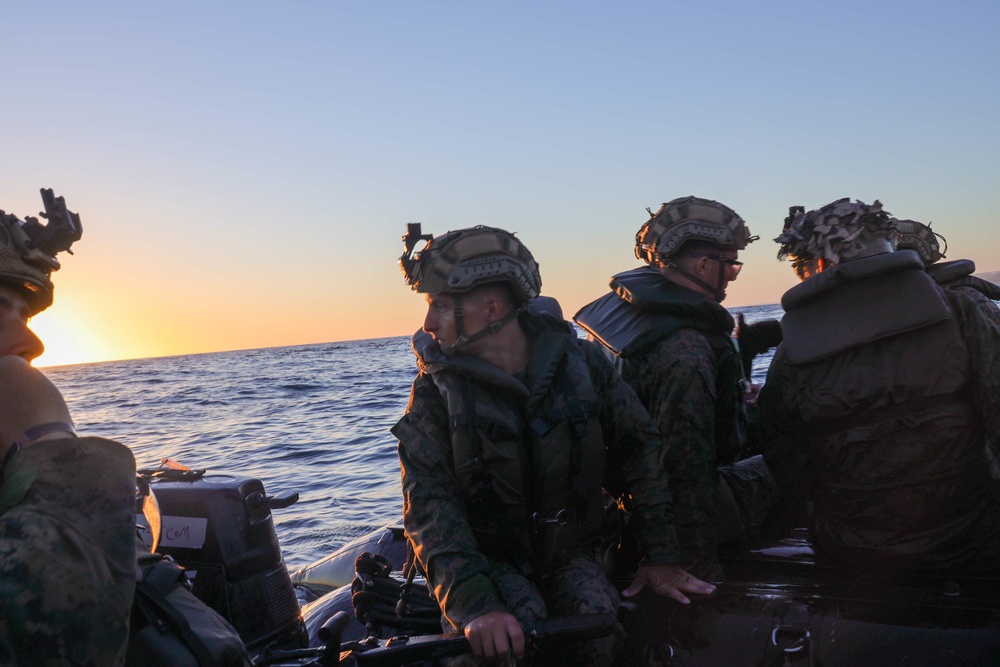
(245, 170)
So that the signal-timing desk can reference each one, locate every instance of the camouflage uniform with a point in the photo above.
(879, 415)
(469, 579)
(983, 293)
(955, 274)
(67, 553)
(688, 380)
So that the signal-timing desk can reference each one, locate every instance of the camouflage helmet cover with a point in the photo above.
(836, 231)
(689, 219)
(457, 261)
(919, 237)
(28, 249)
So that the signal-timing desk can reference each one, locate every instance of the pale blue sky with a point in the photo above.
(263, 157)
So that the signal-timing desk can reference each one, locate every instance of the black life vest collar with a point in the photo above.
(946, 272)
(856, 270)
(649, 289)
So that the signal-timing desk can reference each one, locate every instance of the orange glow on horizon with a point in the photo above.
(69, 338)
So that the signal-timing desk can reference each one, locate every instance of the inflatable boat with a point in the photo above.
(778, 606)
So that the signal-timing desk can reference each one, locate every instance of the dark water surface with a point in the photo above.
(310, 418)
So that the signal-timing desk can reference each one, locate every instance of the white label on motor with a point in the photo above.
(184, 532)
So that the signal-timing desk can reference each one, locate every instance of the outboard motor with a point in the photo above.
(219, 528)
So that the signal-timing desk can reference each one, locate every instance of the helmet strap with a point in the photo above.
(715, 290)
(463, 340)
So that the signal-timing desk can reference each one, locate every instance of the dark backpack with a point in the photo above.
(171, 627)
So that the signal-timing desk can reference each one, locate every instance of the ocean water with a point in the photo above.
(310, 418)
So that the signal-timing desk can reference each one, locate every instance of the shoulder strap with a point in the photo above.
(156, 584)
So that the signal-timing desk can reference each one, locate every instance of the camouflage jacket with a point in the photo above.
(957, 275)
(67, 553)
(435, 513)
(886, 433)
(688, 385)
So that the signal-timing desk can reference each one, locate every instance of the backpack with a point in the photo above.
(171, 627)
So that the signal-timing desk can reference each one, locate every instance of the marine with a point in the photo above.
(879, 401)
(955, 274)
(67, 503)
(516, 442)
(673, 342)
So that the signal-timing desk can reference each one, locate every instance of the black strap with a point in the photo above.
(156, 583)
(578, 415)
(482, 495)
(713, 290)
(464, 340)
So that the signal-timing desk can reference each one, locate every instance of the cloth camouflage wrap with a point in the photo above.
(28, 249)
(836, 231)
(917, 236)
(876, 408)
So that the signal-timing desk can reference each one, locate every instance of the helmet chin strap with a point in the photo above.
(463, 340)
(717, 291)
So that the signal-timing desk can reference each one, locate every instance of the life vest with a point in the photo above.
(529, 458)
(881, 384)
(645, 308)
(957, 274)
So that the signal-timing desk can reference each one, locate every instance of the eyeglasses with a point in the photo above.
(733, 264)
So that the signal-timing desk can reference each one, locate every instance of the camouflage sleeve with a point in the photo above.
(634, 450)
(434, 515)
(974, 293)
(786, 440)
(982, 335)
(67, 553)
(678, 377)
(990, 291)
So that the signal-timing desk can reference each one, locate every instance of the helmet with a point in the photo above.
(28, 249)
(919, 237)
(689, 219)
(837, 232)
(458, 261)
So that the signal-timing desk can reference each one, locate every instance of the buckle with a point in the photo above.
(538, 522)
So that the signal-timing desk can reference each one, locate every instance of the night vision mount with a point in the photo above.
(408, 260)
(62, 229)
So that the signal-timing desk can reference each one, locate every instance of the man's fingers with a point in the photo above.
(495, 635)
(668, 590)
(693, 584)
(633, 588)
(491, 647)
(517, 642)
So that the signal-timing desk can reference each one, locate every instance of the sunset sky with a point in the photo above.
(245, 170)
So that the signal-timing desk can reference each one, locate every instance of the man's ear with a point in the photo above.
(700, 266)
(494, 308)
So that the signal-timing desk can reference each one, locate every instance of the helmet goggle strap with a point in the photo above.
(716, 290)
(462, 340)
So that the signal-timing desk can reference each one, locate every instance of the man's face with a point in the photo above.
(440, 320)
(808, 267)
(727, 262)
(714, 269)
(15, 336)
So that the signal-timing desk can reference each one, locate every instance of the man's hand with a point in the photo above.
(27, 398)
(751, 392)
(494, 635)
(669, 580)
